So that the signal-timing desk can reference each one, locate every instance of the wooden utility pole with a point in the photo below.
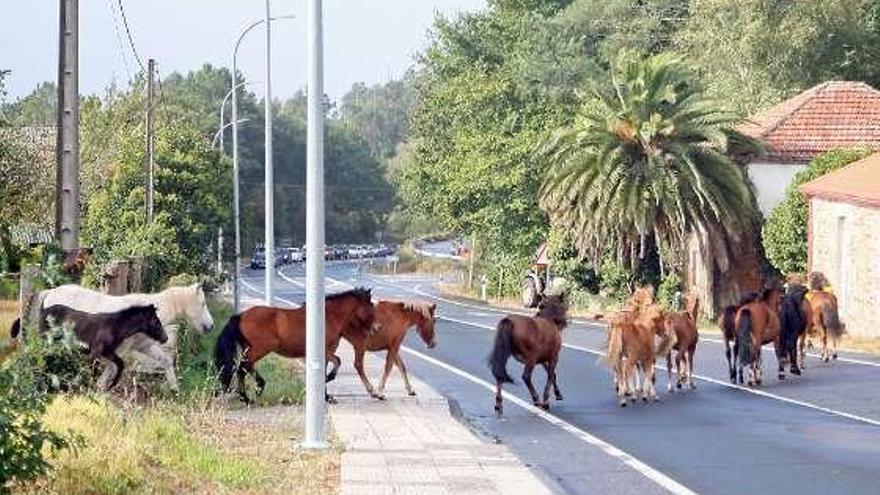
(149, 164)
(67, 137)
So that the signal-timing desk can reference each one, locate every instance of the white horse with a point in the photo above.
(173, 304)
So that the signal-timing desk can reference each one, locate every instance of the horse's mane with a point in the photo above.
(421, 308)
(554, 309)
(133, 310)
(361, 293)
(818, 281)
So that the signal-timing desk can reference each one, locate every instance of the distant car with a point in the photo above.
(258, 260)
(295, 255)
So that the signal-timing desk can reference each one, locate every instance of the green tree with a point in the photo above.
(645, 162)
(380, 114)
(785, 232)
(39, 108)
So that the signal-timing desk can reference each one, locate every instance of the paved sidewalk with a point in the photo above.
(413, 444)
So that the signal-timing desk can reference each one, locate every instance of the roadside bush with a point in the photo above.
(616, 279)
(565, 262)
(785, 232)
(667, 291)
(46, 364)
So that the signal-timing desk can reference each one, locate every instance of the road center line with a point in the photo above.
(754, 391)
(642, 468)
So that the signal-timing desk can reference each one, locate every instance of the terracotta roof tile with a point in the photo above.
(857, 183)
(835, 114)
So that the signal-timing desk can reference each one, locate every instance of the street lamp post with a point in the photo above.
(223, 124)
(269, 201)
(315, 357)
(235, 168)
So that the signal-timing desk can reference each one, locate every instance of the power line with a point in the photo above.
(122, 53)
(130, 39)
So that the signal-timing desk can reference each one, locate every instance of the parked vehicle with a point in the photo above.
(295, 255)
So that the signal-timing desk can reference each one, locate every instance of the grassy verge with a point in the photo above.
(582, 305)
(167, 448)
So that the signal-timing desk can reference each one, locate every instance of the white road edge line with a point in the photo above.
(754, 391)
(642, 468)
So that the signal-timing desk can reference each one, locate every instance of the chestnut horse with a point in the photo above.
(532, 340)
(826, 321)
(262, 329)
(393, 320)
(757, 323)
(631, 351)
(684, 326)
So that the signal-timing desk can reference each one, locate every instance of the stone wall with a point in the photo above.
(845, 246)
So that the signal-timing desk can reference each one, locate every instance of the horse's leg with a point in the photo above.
(242, 372)
(359, 353)
(527, 378)
(680, 368)
(158, 354)
(390, 358)
(120, 365)
(801, 350)
(825, 354)
(690, 368)
(650, 394)
(779, 347)
(552, 369)
(623, 382)
(399, 362)
(669, 387)
(730, 364)
(336, 362)
(499, 407)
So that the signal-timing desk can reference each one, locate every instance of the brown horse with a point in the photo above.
(683, 326)
(631, 351)
(825, 320)
(262, 329)
(393, 319)
(532, 340)
(757, 323)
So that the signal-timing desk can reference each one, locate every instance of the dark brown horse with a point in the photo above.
(727, 323)
(393, 320)
(757, 323)
(532, 340)
(104, 332)
(795, 318)
(261, 330)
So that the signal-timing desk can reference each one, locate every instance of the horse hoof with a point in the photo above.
(782, 376)
(412, 393)
(645, 400)
(834, 355)
(498, 411)
(545, 406)
(623, 403)
(329, 399)
(678, 385)
(379, 397)
(559, 397)
(670, 389)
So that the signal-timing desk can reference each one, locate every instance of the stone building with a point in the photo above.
(844, 240)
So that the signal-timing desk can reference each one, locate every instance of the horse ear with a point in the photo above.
(433, 308)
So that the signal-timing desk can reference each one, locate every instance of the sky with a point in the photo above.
(367, 41)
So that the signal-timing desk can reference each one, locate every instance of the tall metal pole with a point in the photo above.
(150, 167)
(270, 173)
(315, 358)
(236, 270)
(67, 140)
(235, 168)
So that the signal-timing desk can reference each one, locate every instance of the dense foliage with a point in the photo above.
(785, 232)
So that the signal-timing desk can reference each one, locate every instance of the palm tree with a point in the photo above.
(646, 165)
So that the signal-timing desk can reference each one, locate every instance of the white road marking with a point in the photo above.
(642, 468)
(260, 291)
(290, 279)
(761, 393)
(810, 354)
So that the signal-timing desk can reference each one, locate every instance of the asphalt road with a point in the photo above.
(818, 433)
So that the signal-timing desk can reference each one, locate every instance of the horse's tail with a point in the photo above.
(728, 322)
(226, 351)
(832, 321)
(614, 349)
(744, 336)
(16, 329)
(501, 351)
(667, 340)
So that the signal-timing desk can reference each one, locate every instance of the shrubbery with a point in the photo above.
(47, 363)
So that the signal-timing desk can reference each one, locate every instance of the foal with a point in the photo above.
(631, 351)
(104, 332)
(757, 323)
(393, 320)
(532, 340)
